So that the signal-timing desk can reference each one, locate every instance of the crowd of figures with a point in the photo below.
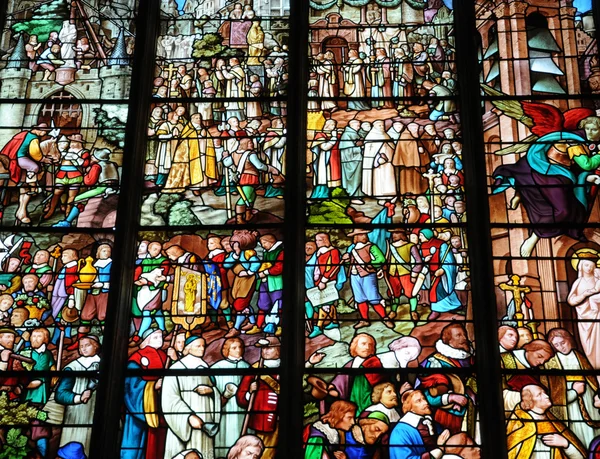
(223, 147)
(68, 49)
(387, 68)
(384, 271)
(217, 305)
(416, 415)
(53, 304)
(57, 173)
(388, 160)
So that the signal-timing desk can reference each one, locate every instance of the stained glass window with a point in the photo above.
(65, 83)
(542, 172)
(246, 236)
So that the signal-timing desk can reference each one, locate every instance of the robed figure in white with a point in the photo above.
(232, 414)
(78, 395)
(585, 298)
(191, 405)
(378, 172)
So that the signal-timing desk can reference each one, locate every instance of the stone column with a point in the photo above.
(522, 80)
(569, 39)
(549, 307)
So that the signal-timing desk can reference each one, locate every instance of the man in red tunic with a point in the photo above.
(24, 152)
(326, 271)
(10, 384)
(259, 395)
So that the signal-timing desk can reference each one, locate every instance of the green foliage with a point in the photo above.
(112, 129)
(46, 18)
(343, 308)
(39, 302)
(211, 45)
(181, 214)
(310, 409)
(163, 204)
(16, 446)
(15, 413)
(330, 211)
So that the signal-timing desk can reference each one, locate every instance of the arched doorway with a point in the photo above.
(62, 110)
(338, 46)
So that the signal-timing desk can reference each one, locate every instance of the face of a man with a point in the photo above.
(372, 432)
(525, 336)
(212, 243)
(537, 358)
(250, 452)
(86, 347)
(196, 348)
(235, 350)
(541, 401)
(509, 340)
(309, 248)
(388, 397)
(7, 340)
(364, 347)
(154, 249)
(321, 241)
(68, 256)
(347, 422)
(420, 405)
(104, 252)
(36, 339)
(13, 265)
(266, 243)
(156, 340)
(18, 318)
(41, 257)
(29, 283)
(270, 353)
(592, 132)
(459, 339)
(561, 344)
(179, 342)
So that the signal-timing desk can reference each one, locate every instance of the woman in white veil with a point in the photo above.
(585, 298)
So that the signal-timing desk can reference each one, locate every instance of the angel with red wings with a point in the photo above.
(554, 178)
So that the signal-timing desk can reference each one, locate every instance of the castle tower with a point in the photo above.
(116, 76)
(14, 80)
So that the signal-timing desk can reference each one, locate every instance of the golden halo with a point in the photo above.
(584, 253)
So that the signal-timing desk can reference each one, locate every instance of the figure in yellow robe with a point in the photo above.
(194, 161)
(535, 433)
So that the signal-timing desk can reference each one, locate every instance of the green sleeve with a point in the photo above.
(378, 256)
(314, 448)
(587, 163)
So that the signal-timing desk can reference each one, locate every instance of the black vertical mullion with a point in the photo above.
(489, 395)
(106, 435)
(290, 400)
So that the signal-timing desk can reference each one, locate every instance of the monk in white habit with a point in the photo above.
(191, 404)
(235, 78)
(78, 394)
(378, 172)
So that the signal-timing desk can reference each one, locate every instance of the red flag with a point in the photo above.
(24, 253)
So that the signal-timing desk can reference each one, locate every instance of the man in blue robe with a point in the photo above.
(142, 437)
(417, 436)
